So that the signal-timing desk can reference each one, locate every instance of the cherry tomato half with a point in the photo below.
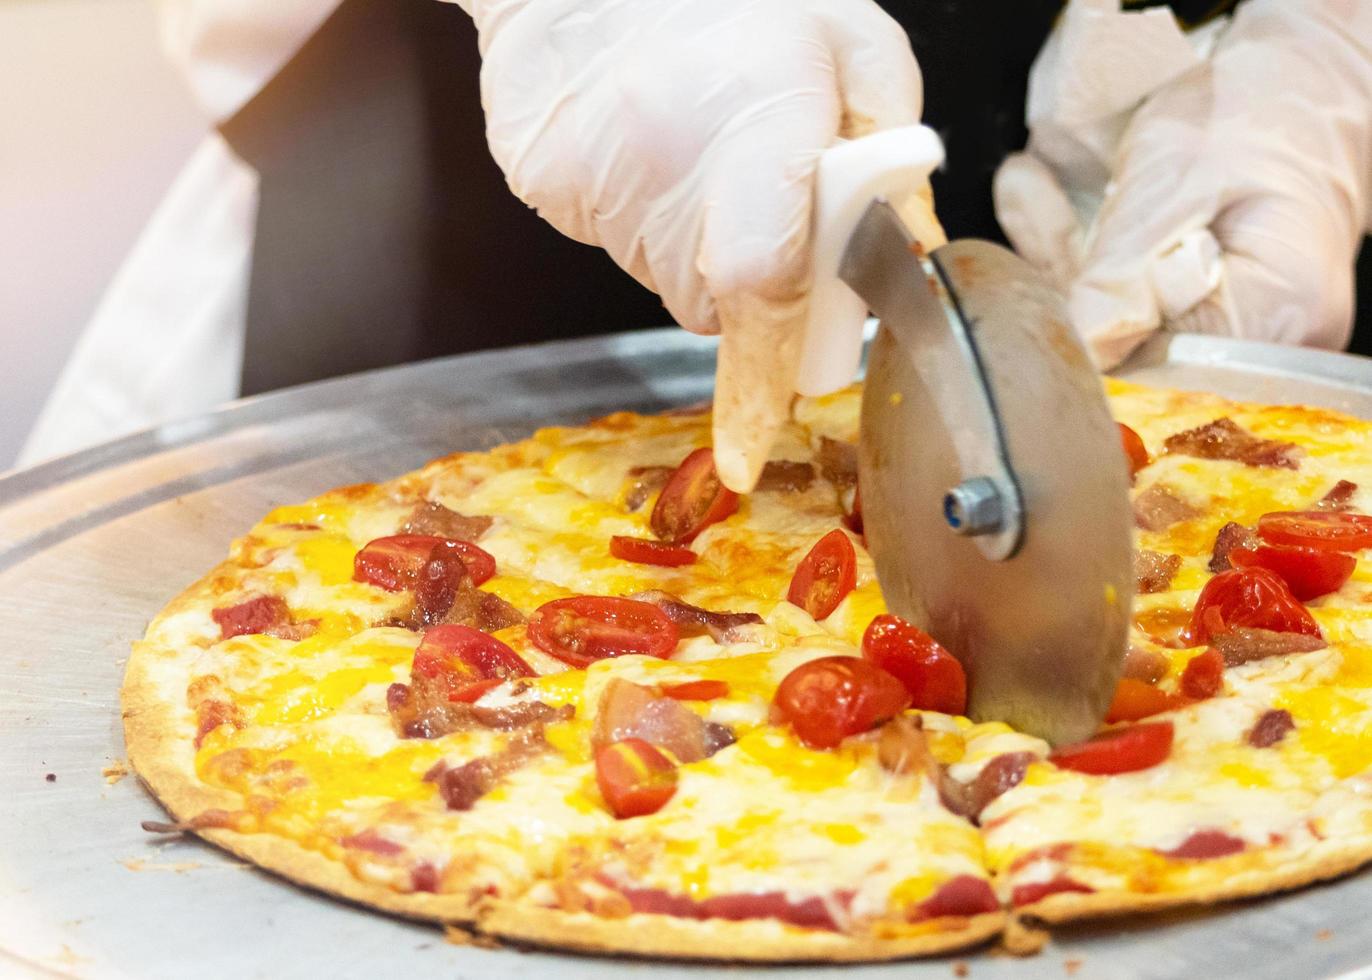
(701, 690)
(828, 699)
(586, 628)
(645, 551)
(692, 499)
(932, 675)
(1325, 530)
(1248, 597)
(1119, 750)
(1203, 676)
(824, 576)
(1134, 449)
(1135, 699)
(466, 661)
(1309, 572)
(394, 563)
(634, 777)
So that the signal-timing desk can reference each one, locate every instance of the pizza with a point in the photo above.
(573, 692)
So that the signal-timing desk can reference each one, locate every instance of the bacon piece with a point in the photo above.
(1336, 500)
(1002, 773)
(1148, 666)
(1272, 726)
(1157, 509)
(1153, 571)
(213, 712)
(785, 475)
(1206, 844)
(422, 710)
(647, 480)
(444, 593)
(1039, 890)
(838, 462)
(963, 895)
(1225, 439)
(267, 614)
(1232, 535)
(435, 519)
(629, 710)
(903, 749)
(695, 621)
(483, 610)
(718, 737)
(1245, 643)
(461, 786)
(424, 877)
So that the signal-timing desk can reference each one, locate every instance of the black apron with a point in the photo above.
(385, 232)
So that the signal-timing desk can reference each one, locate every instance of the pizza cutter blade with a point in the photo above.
(994, 492)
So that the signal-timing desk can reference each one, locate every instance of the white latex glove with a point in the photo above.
(681, 136)
(1237, 192)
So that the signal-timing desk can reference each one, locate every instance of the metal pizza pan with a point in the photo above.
(92, 545)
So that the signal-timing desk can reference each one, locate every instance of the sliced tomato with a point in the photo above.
(394, 562)
(1325, 530)
(646, 551)
(1134, 449)
(1136, 699)
(1248, 598)
(692, 499)
(1118, 750)
(1309, 572)
(467, 662)
(586, 628)
(701, 690)
(824, 576)
(932, 675)
(1203, 676)
(634, 777)
(828, 699)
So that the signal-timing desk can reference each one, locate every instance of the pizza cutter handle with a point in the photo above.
(850, 175)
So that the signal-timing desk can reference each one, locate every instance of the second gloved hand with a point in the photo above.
(681, 136)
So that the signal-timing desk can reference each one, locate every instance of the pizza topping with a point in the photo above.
(1135, 700)
(1338, 498)
(785, 475)
(646, 551)
(371, 841)
(484, 610)
(824, 576)
(1134, 449)
(461, 662)
(1248, 598)
(1309, 572)
(933, 676)
(461, 786)
(902, 748)
(1037, 891)
(999, 775)
(267, 614)
(1232, 535)
(1324, 530)
(1158, 508)
(809, 913)
(1203, 676)
(1145, 665)
(634, 778)
(1118, 750)
(692, 500)
(1206, 844)
(964, 895)
(646, 481)
(828, 699)
(838, 462)
(695, 621)
(583, 629)
(399, 561)
(1272, 726)
(1225, 439)
(630, 711)
(701, 690)
(1244, 644)
(1153, 571)
(433, 519)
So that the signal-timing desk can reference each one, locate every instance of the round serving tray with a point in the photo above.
(92, 545)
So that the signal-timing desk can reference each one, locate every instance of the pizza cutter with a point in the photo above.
(994, 491)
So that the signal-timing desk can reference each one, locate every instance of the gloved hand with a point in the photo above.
(681, 136)
(1237, 192)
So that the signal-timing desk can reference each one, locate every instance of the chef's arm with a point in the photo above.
(681, 136)
(1238, 192)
